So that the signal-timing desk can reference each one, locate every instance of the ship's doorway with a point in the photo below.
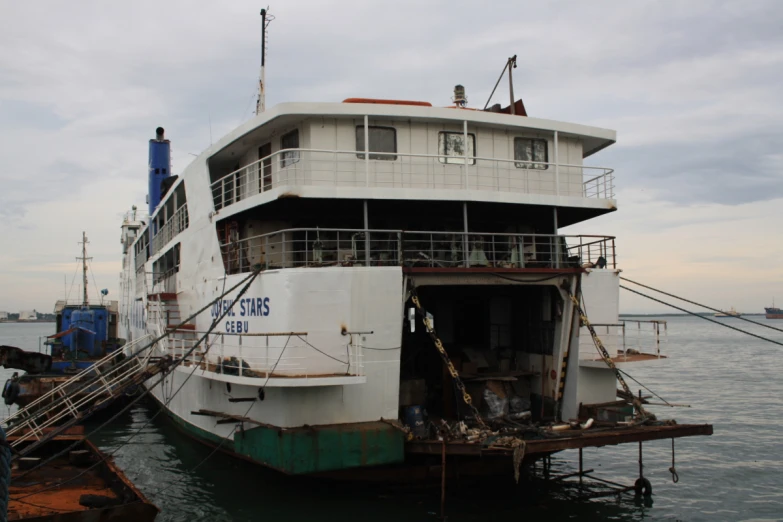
(266, 166)
(501, 340)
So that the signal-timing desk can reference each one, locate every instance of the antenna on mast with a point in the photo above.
(266, 18)
(84, 260)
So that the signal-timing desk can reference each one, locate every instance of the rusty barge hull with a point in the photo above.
(75, 490)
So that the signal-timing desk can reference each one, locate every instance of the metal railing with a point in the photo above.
(163, 282)
(176, 224)
(315, 167)
(142, 256)
(625, 339)
(311, 247)
(88, 388)
(264, 355)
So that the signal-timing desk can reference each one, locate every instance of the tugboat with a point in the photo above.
(85, 334)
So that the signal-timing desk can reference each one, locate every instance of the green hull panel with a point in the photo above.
(322, 448)
(313, 449)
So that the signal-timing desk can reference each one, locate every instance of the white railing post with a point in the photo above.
(557, 166)
(465, 138)
(367, 150)
(240, 355)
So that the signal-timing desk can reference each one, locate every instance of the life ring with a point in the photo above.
(10, 392)
(642, 486)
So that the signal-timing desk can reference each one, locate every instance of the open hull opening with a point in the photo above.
(502, 341)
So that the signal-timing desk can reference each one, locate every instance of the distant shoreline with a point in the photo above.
(36, 321)
(706, 314)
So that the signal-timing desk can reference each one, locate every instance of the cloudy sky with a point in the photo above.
(693, 90)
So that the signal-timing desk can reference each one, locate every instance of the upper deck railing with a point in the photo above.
(313, 167)
(310, 247)
(176, 224)
(626, 339)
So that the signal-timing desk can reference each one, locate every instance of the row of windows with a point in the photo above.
(529, 153)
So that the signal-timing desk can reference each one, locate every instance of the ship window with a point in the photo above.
(452, 147)
(530, 151)
(382, 139)
(289, 141)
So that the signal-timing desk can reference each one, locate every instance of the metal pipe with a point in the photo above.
(443, 480)
(367, 150)
(366, 235)
(557, 165)
(465, 246)
(496, 85)
(465, 138)
(512, 63)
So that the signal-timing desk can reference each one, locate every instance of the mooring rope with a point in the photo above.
(703, 317)
(699, 304)
(249, 281)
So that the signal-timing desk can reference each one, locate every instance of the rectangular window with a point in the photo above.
(451, 147)
(382, 139)
(289, 141)
(530, 151)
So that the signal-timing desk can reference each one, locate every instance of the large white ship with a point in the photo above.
(349, 210)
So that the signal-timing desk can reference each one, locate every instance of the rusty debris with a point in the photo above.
(80, 485)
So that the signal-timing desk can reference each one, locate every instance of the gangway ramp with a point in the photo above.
(81, 395)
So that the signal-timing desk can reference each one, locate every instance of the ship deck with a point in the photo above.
(573, 439)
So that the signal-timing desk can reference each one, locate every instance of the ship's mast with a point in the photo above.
(261, 103)
(84, 260)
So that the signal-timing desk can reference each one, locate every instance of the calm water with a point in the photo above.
(730, 380)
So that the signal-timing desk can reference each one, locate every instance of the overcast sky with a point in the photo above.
(693, 90)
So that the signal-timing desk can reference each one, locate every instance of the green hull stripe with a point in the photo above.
(311, 450)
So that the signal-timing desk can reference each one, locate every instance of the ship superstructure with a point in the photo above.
(349, 209)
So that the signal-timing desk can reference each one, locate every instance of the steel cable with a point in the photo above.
(159, 338)
(703, 317)
(251, 278)
(702, 305)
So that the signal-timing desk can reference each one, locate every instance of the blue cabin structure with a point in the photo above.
(84, 335)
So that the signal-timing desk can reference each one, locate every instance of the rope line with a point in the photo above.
(249, 280)
(97, 378)
(321, 351)
(247, 412)
(643, 386)
(701, 316)
(702, 305)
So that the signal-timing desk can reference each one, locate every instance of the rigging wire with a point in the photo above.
(321, 351)
(152, 343)
(224, 439)
(250, 280)
(95, 283)
(703, 317)
(73, 281)
(645, 387)
(702, 305)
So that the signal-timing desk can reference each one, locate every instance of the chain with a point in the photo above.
(446, 361)
(607, 358)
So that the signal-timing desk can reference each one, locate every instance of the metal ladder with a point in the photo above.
(65, 404)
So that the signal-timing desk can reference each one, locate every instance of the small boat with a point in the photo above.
(773, 312)
(730, 313)
(79, 486)
(85, 333)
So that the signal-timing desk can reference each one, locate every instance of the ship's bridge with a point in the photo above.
(382, 151)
